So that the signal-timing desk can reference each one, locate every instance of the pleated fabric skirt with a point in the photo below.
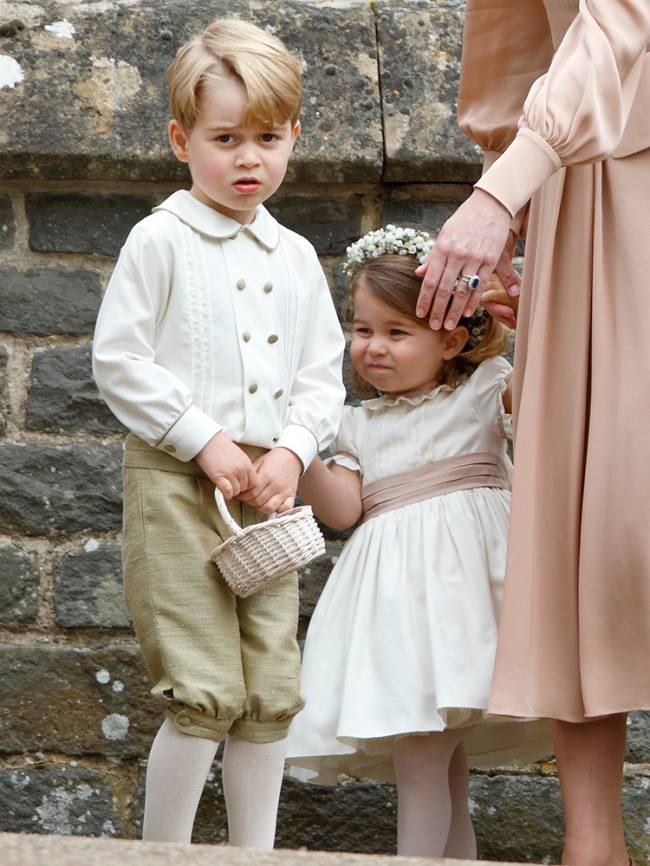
(575, 629)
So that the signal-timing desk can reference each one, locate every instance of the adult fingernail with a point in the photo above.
(449, 324)
(435, 324)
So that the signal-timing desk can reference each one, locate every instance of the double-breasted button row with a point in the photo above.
(253, 387)
(241, 285)
(247, 337)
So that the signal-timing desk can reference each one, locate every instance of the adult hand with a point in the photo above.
(226, 465)
(278, 472)
(470, 242)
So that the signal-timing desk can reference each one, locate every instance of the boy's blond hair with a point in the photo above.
(229, 47)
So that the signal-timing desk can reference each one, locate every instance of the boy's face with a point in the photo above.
(234, 166)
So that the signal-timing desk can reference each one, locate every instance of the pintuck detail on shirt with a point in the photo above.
(189, 341)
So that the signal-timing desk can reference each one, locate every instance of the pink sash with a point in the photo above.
(435, 479)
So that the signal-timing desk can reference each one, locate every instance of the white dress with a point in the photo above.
(403, 637)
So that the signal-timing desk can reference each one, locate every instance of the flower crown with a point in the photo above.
(396, 240)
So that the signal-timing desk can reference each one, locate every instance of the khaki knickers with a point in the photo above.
(223, 664)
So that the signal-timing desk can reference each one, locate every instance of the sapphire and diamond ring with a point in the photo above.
(473, 281)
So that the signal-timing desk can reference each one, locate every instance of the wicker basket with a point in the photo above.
(254, 557)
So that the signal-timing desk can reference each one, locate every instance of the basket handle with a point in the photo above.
(232, 525)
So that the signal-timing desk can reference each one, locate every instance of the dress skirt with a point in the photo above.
(575, 629)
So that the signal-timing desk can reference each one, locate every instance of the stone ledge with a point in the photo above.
(92, 97)
(17, 850)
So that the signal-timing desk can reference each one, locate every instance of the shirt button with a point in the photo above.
(183, 721)
(268, 287)
(170, 448)
(252, 388)
(278, 393)
(241, 284)
(273, 339)
(246, 336)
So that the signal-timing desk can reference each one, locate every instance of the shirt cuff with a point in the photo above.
(189, 434)
(520, 171)
(301, 441)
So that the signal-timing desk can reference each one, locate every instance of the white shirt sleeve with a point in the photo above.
(146, 397)
(317, 393)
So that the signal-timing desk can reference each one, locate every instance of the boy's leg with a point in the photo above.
(176, 772)
(256, 743)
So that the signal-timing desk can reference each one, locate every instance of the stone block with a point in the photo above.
(48, 489)
(92, 94)
(429, 216)
(83, 223)
(66, 800)
(88, 590)
(19, 584)
(330, 225)
(7, 223)
(419, 57)
(63, 396)
(43, 302)
(76, 701)
(638, 739)
(4, 357)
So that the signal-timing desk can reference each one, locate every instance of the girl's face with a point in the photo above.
(395, 354)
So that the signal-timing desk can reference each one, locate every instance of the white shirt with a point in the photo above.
(210, 325)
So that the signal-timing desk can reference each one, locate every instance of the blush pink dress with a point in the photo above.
(557, 92)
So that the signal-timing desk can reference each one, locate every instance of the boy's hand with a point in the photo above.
(226, 465)
(499, 303)
(278, 472)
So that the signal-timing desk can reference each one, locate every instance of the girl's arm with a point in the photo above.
(333, 492)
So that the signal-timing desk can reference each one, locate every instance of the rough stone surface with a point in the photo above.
(19, 584)
(330, 225)
(419, 51)
(7, 223)
(95, 105)
(43, 302)
(4, 356)
(63, 396)
(82, 223)
(76, 701)
(66, 488)
(75, 801)
(88, 590)
(638, 740)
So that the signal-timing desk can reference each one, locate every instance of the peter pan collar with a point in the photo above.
(384, 401)
(213, 224)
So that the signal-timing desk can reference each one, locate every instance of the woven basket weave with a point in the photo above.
(254, 557)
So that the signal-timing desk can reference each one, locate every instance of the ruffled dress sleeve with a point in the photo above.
(488, 383)
(575, 111)
(346, 445)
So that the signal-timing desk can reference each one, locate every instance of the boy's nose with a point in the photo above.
(248, 157)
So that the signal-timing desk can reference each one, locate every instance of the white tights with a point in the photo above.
(432, 797)
(176, 772)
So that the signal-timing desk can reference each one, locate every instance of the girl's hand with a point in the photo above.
(470, 242)
(500, 304)
(278, 472)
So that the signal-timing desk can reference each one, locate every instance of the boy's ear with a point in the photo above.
(178, 140)
(295, 132)
(453, 342)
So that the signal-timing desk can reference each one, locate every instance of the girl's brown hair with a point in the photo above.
(392, 280)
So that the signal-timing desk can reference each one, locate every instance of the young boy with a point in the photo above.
(218, 346)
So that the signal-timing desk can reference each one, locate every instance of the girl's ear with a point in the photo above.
(178, 140)
(453, 342)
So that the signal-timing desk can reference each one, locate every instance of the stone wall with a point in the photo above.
(82, 157)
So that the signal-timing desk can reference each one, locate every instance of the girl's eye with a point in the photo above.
(397, 332)
(363, 332)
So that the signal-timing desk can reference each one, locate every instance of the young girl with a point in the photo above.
(399, 654)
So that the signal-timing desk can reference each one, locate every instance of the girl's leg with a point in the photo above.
(590, 759)
(424, 811)
(252, 779)
(461, 843)
(176, 772)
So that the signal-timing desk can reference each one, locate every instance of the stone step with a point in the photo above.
(27, 850)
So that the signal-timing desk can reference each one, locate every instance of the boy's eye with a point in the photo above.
(268, 137)
(226, 138)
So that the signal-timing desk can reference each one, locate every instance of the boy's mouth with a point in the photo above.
(247, 185)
